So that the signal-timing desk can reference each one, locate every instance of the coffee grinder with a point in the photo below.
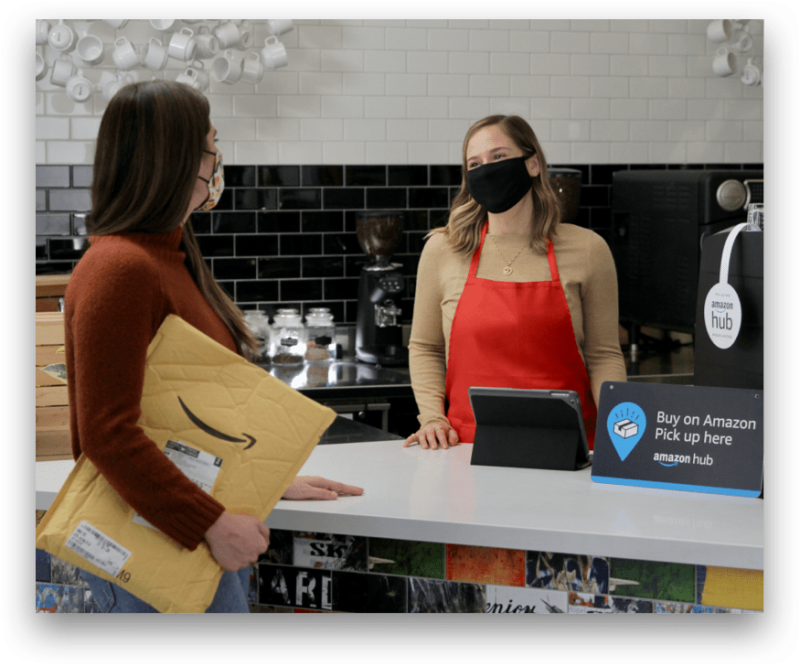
(379, 333)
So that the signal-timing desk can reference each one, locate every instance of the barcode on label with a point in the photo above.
(97, 548)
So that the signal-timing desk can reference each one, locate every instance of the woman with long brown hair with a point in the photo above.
(507, 295)
(155, 162)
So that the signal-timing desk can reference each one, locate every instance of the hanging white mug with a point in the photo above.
(79, 88)
(719, 30)
(724, 63)
(279, 26)
(751, 75)
(252, 69)
(206, 44)
(162, 24)
(227, 34)
(111, 87)
(124, 55)
(195, 76)
(182, 44)
(273, 55)
(742, 42)
(227, 69)
(245, 36)
(90, 49)
(42, 31)
(156, 57)
(61, 37)
(63, 70)
(116, 23)
(41, 67)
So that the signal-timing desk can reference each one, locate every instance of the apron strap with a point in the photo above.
(551, 259)
(476, 257)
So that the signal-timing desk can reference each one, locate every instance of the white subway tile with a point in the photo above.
(255, 106)
(428, 152)
(341, 22)
(667, 109)
(688, 130)
(384, 107)
(340, 60)
(670, 152)
(705, 151)
(550, 25)
(589, 64)
(630, 153)
(543, 108)
(698, 26)
(52, 128)
(300, 152)
(688, 88)
(670, 26)
(448, 84)
(666, 65)
(319, 37)
(753, 130)
(342, 106)
(744, 109)
(610, 86)
(279, 82)
(686, 44)
(699, 66)
(510, 106)
(728, 87)
(320, 83)
(489, 40)
(365, 129)
(357, 83)
(629, 25)
(589, 25)
(344, 152)
(472, 108)
(531, 41)
(59, 104)
(630, 109)
(582, 108)
(628, 65)
(40, 152)
(299, 106)
(468, 63)
(591, 152)
(509, 63)
(39, 104)
(277, 129)
(403, 129)
(303, 60)
(571, 130)
(509, 24)
(533, 86)
(363, 38)
(427, 62)
(384, 61)
(721, 130)
(387, 152)
(648, 87)
(406, 39)
(406, 84)
(569, 42)
(385, 23)
(541, 128)
(552, 64)
(569, 86)
(648, 130)
(647, 44)
(468, 24)
(426, 107)
(448, 40)
(236, 129)
(84, 129)
(705, 109)
(608, 42)
(489, 85)
(558, 152)
(70, 152)
(609, 130)
(447, 130)
(255, 152)
(426, 23)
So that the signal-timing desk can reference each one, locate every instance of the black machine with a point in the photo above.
(659, 221)
(379, 333)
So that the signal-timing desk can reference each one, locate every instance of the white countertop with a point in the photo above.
(438, 496)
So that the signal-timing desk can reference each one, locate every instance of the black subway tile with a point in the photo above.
(446, 175)
(240, 176)
(428, 197)
(415, 241)
(387, 197)
(53, 225)
(79, 224)
(341, 244)
(300, 199)
(225, 201)
(256, 245)
(54, 267)
(350, 312)
(408, 175)
(438, 218)
(278, 176)
(365, 175)
(341, 289)
(52, 176)
(255, 199)
(323, 267)
(301, 290)
(595, 195)
(409, 263)
(416, 220)
(322, 175)
(82, 175)
(41, 248)
(248, 291)
(216, 246)
(67, 248)
(354, 264)
(279, 267)
(233, 223)
(337, 310)
(319, 221)
(301, 244)
(339, 198)
(229, 287)
(234, 269)
(278, 222)
(600, 218)
(602, 174)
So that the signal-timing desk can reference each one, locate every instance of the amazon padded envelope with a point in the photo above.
(239, 433)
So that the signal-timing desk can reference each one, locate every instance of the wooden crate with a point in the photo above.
(52, 401)
(49, 288)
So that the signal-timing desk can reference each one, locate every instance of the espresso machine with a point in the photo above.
(379, 333)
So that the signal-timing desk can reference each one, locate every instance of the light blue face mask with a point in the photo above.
(216, 184)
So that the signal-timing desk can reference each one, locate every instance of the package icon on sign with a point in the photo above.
(625, 428)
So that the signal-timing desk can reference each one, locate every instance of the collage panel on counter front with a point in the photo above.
(369, 593)
(440, 596)
(480, 564)
(603, 603)
(281, 548)
(406, 558)
(574, 573)
(730, 588)
(505, 599)
(652, 580)
(293, 586)
(329, 551)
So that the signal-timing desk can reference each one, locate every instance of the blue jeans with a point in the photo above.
(231, 596)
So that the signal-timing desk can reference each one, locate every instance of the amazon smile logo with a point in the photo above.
(216, 433)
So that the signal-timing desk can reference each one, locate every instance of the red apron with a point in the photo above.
(513, 335)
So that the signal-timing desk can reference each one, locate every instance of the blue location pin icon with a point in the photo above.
(626, 425)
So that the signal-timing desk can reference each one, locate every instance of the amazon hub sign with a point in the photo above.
(695, 438)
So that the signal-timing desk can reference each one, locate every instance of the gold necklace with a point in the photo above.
(507, 270)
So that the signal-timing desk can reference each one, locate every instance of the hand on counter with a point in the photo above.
(433, 436)
(236, 540)
(315, 487)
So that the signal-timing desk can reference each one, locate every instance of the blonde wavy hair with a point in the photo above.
(464, 225)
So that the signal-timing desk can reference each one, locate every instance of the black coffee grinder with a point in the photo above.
(379, 334)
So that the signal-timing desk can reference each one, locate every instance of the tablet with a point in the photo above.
(533, 428)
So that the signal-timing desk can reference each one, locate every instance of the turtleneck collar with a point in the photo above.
(171, 240)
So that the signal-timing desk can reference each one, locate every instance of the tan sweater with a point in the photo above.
(588, 277)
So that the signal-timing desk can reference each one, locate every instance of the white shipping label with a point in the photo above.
(95, 547)
(199, 466)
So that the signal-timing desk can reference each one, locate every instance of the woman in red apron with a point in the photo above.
(507, 334)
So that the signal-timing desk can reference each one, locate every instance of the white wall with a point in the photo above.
(405, 92)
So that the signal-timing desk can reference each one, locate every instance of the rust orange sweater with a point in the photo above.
(119, 294)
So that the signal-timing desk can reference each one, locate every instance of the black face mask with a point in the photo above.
(500, 185)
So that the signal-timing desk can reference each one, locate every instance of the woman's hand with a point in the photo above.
(315, 487)
(434, 436)
(236, 540)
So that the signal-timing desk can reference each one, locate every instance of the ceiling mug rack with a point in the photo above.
(734, 42)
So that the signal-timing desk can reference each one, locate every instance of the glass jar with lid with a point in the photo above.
(321, 345)
(258, 323)
(288, 337)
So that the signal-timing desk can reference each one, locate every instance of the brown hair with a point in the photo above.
(463, 229)
(149, 149)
